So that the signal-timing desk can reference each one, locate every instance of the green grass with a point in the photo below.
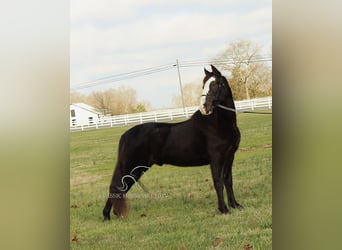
(181, 210)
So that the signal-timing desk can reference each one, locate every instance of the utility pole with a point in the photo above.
(180, 85)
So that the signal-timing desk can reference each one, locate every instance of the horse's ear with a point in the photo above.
(207, 72)
(215, 70)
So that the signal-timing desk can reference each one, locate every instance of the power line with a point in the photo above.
(225, 61)
(123, 76)
(161, 68)
(128, 73)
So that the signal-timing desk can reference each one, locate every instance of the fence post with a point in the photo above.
(252, 104)
(141, 120)
(82, 127)
(155, 117)
(186, 113)
(269, 102)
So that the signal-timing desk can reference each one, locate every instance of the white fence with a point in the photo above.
(168, 115)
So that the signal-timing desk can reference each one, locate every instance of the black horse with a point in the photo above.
(210, 136)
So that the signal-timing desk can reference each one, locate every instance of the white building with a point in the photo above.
(83, 114)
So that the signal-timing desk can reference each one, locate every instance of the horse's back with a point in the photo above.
(142, 144)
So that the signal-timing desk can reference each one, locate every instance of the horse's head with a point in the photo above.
(216, 91)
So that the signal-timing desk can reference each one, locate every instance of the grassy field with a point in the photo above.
(180, 211)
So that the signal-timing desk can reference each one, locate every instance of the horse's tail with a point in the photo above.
(117, 196)
(117, 193)
(119, 204)
(120, 207)
(106, 210)
(127, 172)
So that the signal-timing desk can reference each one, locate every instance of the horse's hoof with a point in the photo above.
(224, 210)
(238, 206)
(105, 218)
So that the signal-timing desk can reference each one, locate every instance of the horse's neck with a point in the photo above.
(227, 117)
(230, 104)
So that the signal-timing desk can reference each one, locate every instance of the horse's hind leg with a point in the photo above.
(121, 184)
(106, 210)
(228, 182)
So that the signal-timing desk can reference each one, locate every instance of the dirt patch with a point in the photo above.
(83, 179)
(251, 149)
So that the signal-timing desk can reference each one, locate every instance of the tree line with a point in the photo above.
(122, 100)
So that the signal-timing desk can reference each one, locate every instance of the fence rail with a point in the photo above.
(168, 115)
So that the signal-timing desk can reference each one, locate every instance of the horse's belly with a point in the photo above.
(185, 155)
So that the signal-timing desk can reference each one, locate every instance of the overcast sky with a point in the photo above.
(114, 37)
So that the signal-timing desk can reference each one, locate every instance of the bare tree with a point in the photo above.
(102, 100)
(249, 73)
(122, 100)
(76, 97)
(191, 93)
(125, 100)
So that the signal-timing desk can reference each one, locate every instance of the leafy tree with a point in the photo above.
(140, 108)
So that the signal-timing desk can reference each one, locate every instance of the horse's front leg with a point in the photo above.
(228, 182)
(217, 174)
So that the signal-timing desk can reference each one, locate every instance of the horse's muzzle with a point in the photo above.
(204, 111)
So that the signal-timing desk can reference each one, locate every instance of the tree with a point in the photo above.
(142, 107)
(191, 93)
(250, 76)
(76, 97)
(102, 100)
(122, 100)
